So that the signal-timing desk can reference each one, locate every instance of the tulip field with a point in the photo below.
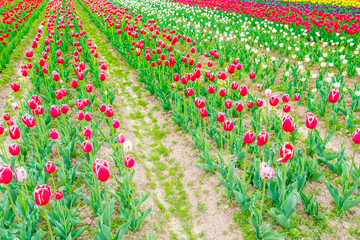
(179, 119)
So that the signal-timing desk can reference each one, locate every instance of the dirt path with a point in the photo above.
(187, 203)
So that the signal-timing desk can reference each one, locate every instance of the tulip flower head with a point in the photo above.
(262, 138)
(20, 174)
(228, 125)
(14, 149)
(6, 173)
(87, 146)
(288, 124)
(356, 136)
(287, 151)
(101, 170)
(249, 137)
(42, 195)
(50, 167)
(127, 146)
(129, 161)
(265, 171)
(334, 96)
(311, 121)
(58, 194)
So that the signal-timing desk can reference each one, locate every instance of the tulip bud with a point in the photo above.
(228, 103)
(259, 102)
(297, 96)
(55, 111)
(15, 86)
(64, 108)
(220, 117)
(222, 92)
(88, 116)
(265, 171)
(249, 137)
(285, 98)
(109, 112)
(243, 90)
(6, 116)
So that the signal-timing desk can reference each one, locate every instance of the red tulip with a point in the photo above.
(109, 112)
(231, 68)
(189, 91)
(80, 115)
(228, 103)
(55, 111)
(87, 146)
(203, 112)
(311, 121)
(121, 138)
(101, 170)
(285, 98)
(250, 104)
(297, 96)
(176, 77)
(6, 116)
(88, 116)
(334, 95)
(32, 104)
(239, 105)
(6, 173)
(102, 107)
(274, 100)
(243, 90)
(129, 161)
(262, 138)
(14, 149)
(116, 123)
(64, 108)
(58, 194)
(42, 195)
(220, 117)
(211, 89)
(54, 134)
(15, 86)
(286, 108)
(288, 124)
(222, 92)
(356, 136)
(74, 83)
(14, 132)
(2, 129)
(50, 167)
(228, 125)
(259, 102)
(252, 75)
(59, 94)
(89, 88)
(286, 152)
(249, 137)
(87, 132)
(234, 85)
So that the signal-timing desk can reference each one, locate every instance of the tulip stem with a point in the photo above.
(353, 160)
(205, 134)
(12, 203)
(305, 151)
(245, 162)
(228, 144)
(36, 148)
(61, 161)
(18, 97)
(66, 127)
(107, 206)
(284, 180)
(262, 198)
(48, 223)
(23, 195)
(52, 179)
